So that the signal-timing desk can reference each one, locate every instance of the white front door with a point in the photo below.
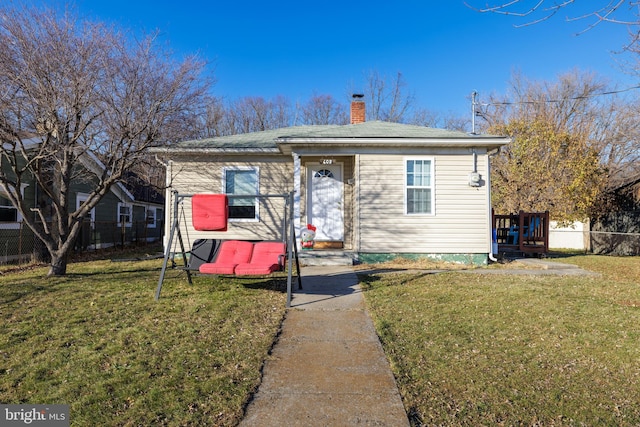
(325, 207)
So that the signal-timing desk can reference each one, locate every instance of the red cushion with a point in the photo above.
(215, 268)
(265, 259)
(256, 269)
(230, 254)
(209, 212)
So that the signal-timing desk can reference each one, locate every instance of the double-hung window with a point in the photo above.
(150, 215)
(8, 212)
(419, 186)
(91, 215)
(125, 215)
(10, 216)
(242, 182)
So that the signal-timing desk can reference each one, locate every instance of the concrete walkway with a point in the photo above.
(328, 367)
(539, 267)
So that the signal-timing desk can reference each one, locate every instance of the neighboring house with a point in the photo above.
(132, 211)
(617, 232)
(374, 189)
(129, 212)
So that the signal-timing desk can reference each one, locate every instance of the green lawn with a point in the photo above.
(467, 349)
(98, 341)
(471, 349)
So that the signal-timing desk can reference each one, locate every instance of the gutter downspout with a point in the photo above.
(489, 155)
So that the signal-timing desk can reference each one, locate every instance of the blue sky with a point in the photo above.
(297, 48)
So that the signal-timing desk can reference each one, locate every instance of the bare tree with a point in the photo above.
(254, 114)
(77, 96)
(612, 11)
(323, 110)
(424, 117)
(456, 122)
(213, 122)
(623, 12)
(451, 121)
(388, 99)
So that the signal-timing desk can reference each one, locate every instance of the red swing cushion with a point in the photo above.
(209, 212)
(267, 257)
(230, 254)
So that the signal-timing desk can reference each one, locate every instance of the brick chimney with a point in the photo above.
(357, 109)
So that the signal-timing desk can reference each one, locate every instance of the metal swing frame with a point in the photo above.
(288, 236)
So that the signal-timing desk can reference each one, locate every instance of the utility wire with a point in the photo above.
(552, 101)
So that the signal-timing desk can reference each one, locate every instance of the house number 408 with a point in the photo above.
(326, 161)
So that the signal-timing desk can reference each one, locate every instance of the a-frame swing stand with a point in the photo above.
(288, 236)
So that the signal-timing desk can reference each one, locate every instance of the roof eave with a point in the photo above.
(288, 144)
(214, 150)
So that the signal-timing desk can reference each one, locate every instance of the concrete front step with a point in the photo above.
(326, 257)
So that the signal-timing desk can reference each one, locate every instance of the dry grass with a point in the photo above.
(98, 341)
(472, 349)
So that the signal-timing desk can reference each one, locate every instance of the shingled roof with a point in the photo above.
(373, 132)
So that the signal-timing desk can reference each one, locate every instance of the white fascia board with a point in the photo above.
(273, 151)
(457, 142)
(288, 144)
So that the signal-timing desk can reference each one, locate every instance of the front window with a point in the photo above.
(10, 216)
(82, 198)
(419, 186)
(151, 217)
(8, 213)
(124, 215)
(240, 182)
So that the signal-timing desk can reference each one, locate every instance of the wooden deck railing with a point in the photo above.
(526, 232)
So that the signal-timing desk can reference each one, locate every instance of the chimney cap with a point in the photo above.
(357, 95)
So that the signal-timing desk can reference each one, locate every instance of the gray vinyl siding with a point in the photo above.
(205, 175)
(459, 222)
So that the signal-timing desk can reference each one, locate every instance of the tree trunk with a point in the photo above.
(40, 252)
(58, 264)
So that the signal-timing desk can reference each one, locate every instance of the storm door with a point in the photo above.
(325, 205)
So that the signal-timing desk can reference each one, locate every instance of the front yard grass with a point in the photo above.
(472, 349)
(466, 349)
(97, 340)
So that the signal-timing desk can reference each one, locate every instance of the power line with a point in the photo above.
(552, 101)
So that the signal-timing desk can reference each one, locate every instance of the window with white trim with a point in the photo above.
(91, 216)
(151, 217)
(8, 212)
(419, 186)
(10, 216)
(241, 182)
(125, 214)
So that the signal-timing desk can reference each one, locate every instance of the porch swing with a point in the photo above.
(231, 257)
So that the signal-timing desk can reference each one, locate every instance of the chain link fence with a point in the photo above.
(617, 233)
(615, 243)
(19, 245)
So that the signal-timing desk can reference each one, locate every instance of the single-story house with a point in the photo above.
(375, 189)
